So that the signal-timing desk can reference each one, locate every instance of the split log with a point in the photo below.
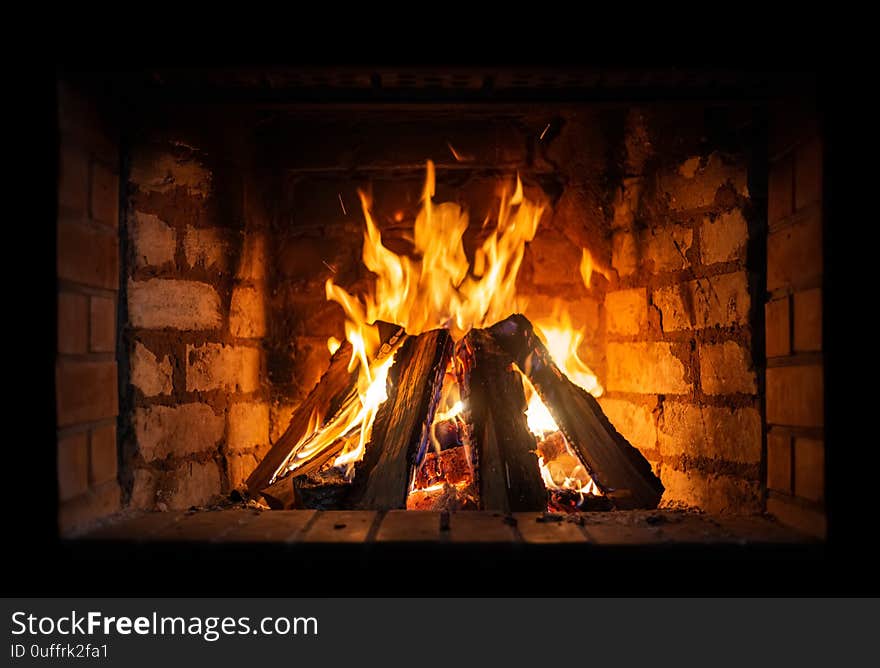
(509, 476)
(617, 468)
(401, 428)
(337, 386)
(280, 495)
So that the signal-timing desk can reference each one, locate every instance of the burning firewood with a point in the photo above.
(571, 501)
(443, 497)
(451, 466)
(617, 468)
(336, 386)
(509, 477)
(401, 433)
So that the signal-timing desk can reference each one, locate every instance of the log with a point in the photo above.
(320, 491)
(401, 429)
(336, 386)
(509, 476)
(450, 465)
(280, 495)
(617, 468)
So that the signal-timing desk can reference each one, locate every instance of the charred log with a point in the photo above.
(617, 468)
(401, 428)
(325, 490)
(509, 476)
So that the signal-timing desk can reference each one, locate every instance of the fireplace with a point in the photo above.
(256, 266)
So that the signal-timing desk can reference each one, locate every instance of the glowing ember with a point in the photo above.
(560, 468)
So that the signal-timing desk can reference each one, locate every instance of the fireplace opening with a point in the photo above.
(567, 307)
(453, 379)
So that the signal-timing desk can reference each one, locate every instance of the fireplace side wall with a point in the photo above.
(197, 417)
(682, 370)
(88, 280)
(795, 366)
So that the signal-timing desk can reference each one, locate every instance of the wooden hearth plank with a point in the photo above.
(510, 479)
(282, 526)
(616, 467)
(541, 528)
(139, 528)
(400, 430)
(477, 526)
(403, 526)
(203, 526)
(340, 526)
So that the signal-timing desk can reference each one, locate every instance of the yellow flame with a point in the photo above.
(333, 344)
(437, 287)
(589, 266)
(563, 342)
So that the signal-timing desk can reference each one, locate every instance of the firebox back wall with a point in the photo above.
(227, 256)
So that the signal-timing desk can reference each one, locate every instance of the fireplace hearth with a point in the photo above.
(407, 309)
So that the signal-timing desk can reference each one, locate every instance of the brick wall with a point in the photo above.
(227, 320)
(88, 283)
(795, 369)
(195, 372)
(682, 379)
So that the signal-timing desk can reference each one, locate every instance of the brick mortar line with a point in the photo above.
(747, 471)
(710, 335)
(86, 357)
(69, 216)
(795, 288)
(220, 335)
(675, 277)
(92, 492)
(85, 427)
(788, 150)
(792, 427)
(805, 214)
(78, 137)
(216, 279)
(208, 397)
(797, 359)
(71, 287)
(789, 431)
(173, 461)
(799, 501)
(703, 400)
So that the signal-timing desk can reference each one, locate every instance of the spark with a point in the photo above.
(459, 157)
(544, 132)
(342, 204)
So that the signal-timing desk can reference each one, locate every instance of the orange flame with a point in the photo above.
(563, 342)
